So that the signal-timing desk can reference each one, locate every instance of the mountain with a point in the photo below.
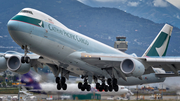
(159, 11)
(102, 24)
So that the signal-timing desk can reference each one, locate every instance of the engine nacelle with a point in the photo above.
(132, 67)
(14, 64)
(3, 65)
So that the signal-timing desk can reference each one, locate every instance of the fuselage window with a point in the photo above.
(26, 11)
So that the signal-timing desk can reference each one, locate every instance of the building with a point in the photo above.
(121, 43)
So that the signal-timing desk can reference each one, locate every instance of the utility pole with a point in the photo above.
(137, 91)
(162, 92)
(19, 92)
(19, 81)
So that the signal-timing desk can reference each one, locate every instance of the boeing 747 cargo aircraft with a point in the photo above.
(71, 53)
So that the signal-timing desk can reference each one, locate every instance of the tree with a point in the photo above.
(4, 84)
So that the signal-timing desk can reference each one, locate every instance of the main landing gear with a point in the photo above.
(25, 58)
(61, 83)
(112, 84)
(84, 86)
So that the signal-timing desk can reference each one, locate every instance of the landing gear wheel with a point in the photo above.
(110, 88)
(22, 59)
(79, 85)
(114, 81)
(88, 88)
(97, 85)
(106, 88)
(58, 86)
(103, 85)
(82, 88)
(116, 88)
(63, 80)
(27, 59)
(109, 81)
(100, 88)
(64, 87)
(57, 80)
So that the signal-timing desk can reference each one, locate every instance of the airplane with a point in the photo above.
(36, 83)
(67, 52)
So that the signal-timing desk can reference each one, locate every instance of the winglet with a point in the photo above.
(160, 44)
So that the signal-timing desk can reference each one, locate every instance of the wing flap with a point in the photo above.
(166, 75)
(167, 64)
(163, 60)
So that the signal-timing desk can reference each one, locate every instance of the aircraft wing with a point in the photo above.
(8, 54)
(166, 63)
(108, 60)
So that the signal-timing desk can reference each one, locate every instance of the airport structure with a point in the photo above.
(88, 96)
(121, 43)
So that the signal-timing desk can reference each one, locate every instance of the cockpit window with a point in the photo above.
(26, 11)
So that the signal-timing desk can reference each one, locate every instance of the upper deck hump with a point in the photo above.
(29, 12)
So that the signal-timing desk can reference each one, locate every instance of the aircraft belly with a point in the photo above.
(88, 69)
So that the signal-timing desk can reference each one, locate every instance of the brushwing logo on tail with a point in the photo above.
(159, 47)
(162, 49)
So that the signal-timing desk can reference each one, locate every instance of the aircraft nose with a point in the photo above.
(12, 25)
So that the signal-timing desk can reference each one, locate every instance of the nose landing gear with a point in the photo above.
(25, 58)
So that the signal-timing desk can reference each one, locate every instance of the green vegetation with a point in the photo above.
(8, 90)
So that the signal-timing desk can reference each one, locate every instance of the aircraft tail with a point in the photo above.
(160, 44)
(30, 81)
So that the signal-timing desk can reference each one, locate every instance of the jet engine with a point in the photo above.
(3, 65)
(14, 64)
(132, 67)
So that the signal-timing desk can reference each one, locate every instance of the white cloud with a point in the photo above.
(133, 4)
(160, 3)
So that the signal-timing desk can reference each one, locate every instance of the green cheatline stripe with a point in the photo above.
(27, 20)
(158, 43)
